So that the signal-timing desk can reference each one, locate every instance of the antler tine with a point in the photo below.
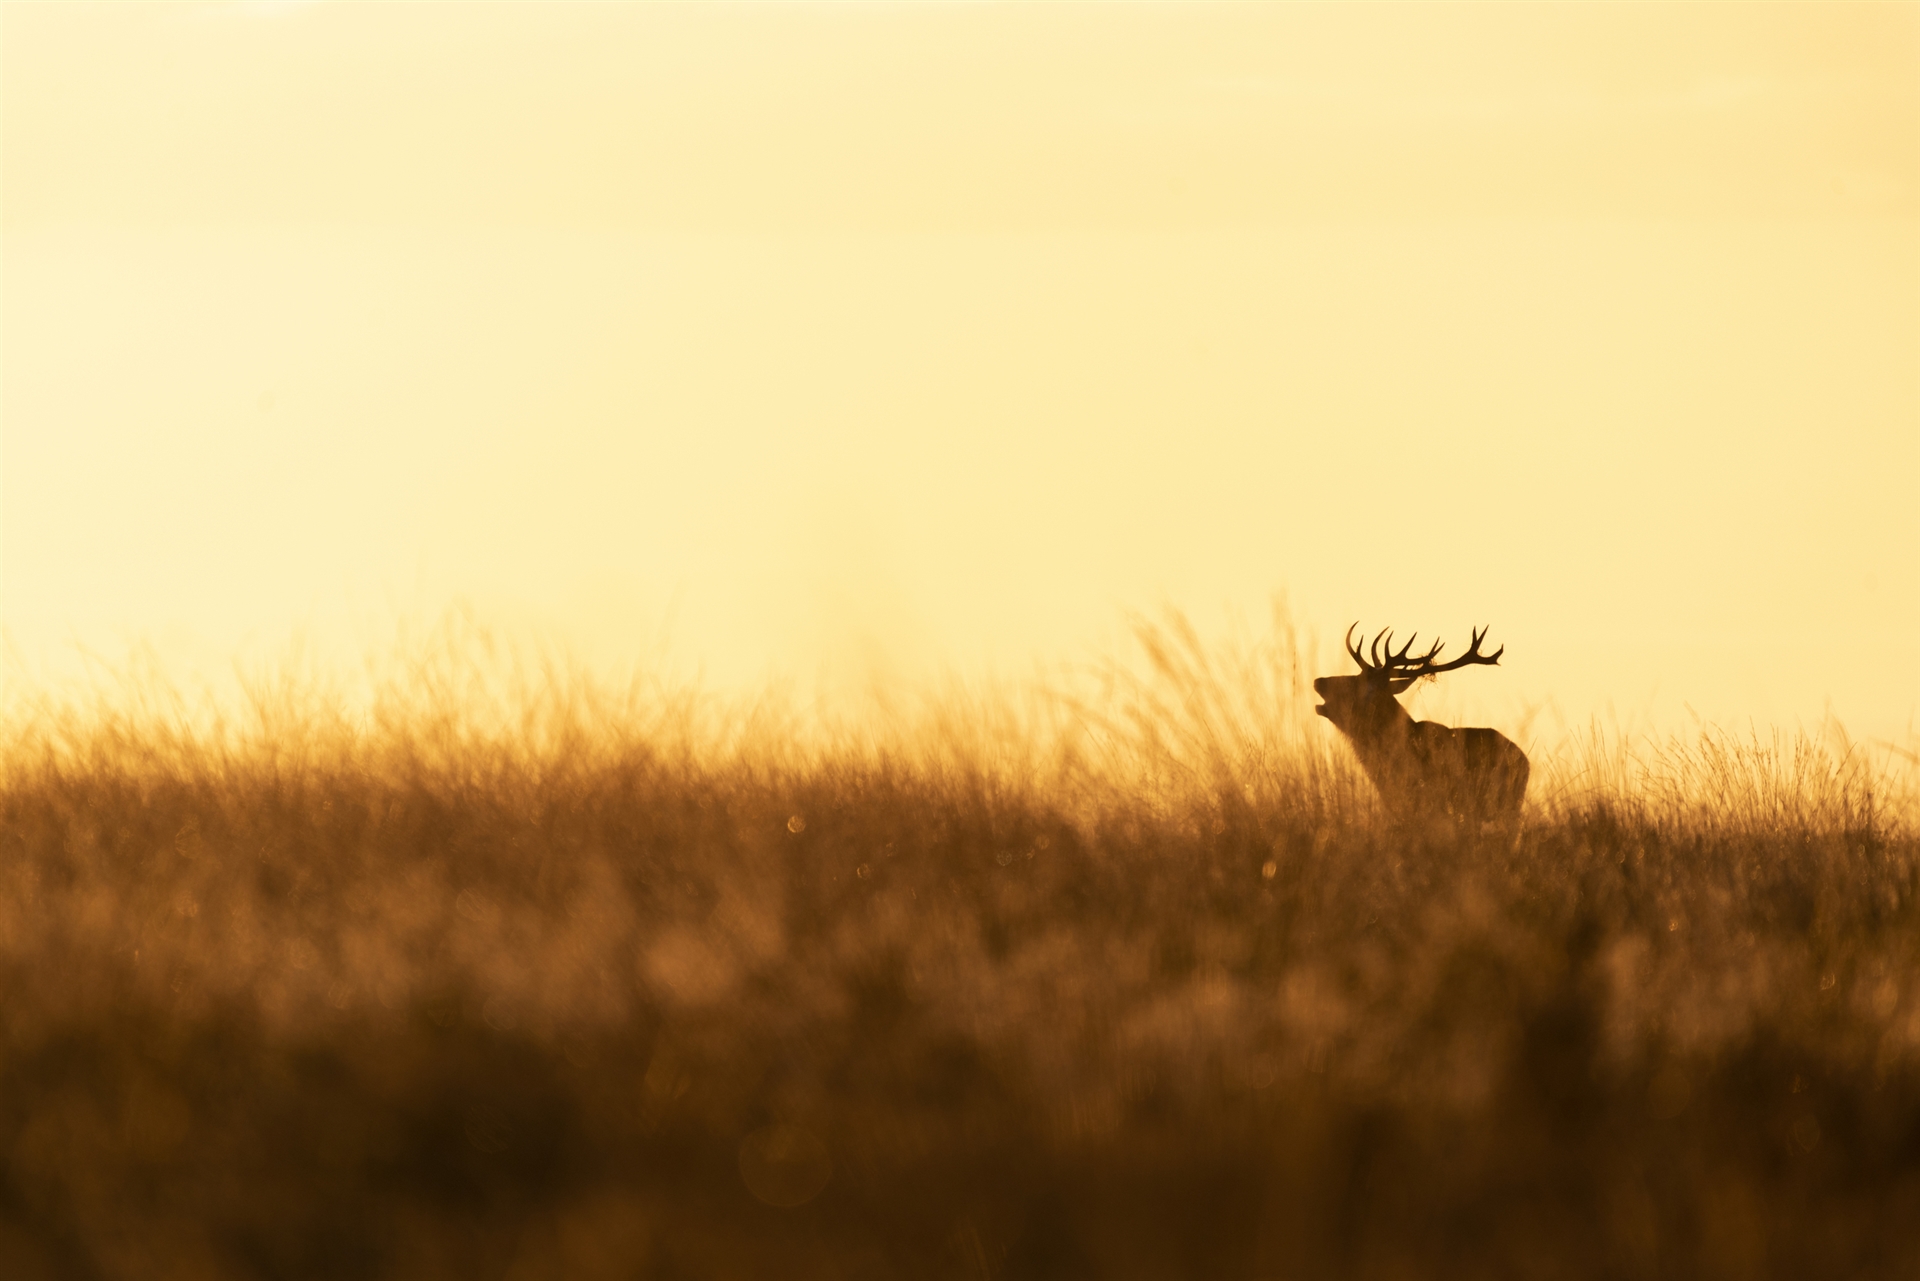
(1473, 657)
(1473, 650)
(1353, 651)
(1404, 659)
(1389, 661)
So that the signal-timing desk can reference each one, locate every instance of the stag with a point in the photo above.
(1421, 767)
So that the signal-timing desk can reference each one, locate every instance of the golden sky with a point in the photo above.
(859, 342)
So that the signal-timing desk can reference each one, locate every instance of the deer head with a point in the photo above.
(1366, 705)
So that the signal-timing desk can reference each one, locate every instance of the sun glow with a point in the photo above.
(681, 640)
(763, 344)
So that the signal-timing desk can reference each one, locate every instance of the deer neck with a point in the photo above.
(1380, 738)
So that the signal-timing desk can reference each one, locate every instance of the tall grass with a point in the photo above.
(489, 971)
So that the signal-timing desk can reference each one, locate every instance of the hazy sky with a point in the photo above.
(857, 342)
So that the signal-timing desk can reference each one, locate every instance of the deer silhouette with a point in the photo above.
(1421, 767)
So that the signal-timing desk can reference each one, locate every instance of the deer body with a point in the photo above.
(1421, 766)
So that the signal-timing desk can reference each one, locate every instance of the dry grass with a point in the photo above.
(502, 976)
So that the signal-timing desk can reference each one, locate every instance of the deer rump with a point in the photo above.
(1438, 769)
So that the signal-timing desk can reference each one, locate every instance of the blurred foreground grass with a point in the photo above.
(1126, 981)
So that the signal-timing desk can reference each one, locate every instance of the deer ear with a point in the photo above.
(1399, 686)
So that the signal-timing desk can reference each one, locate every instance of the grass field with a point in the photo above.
(1129, 979)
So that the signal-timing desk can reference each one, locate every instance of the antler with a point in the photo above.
(1402, 668)
(1472, 658)
(1398, 668)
